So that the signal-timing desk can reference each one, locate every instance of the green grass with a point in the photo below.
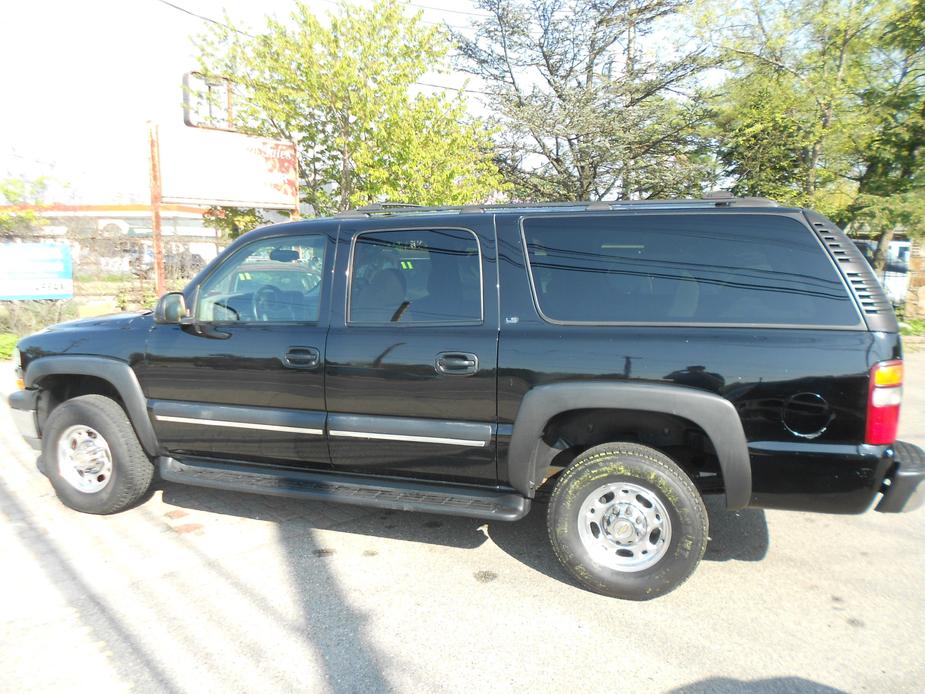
(7, 344)
(912, 326)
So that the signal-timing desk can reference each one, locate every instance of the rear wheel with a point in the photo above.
(627, 522)
(92, 456)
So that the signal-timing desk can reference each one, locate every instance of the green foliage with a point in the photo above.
(137, 296)
(341, 89)
(763, 134)
(233, 221)
(584, 109)
(21, 191)
(26, 317)
(891, 185)
(7, 345)
(824, 106)
(912, 326)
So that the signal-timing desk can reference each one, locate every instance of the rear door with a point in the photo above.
(412, 350)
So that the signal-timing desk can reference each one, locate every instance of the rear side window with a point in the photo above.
(416, 276)
(726, 269)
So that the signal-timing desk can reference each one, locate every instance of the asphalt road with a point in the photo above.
(198, 590)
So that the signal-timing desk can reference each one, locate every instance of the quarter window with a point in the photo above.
(725, 269)
(416, 276)
(274, 280)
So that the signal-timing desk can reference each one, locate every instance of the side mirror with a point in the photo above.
(171, 308)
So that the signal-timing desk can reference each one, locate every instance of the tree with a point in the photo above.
(233, 221)
(584, 111)
(824, 108)
(341, 89)
(762, 134)
(23, 193)
(891, 183)
(808, 58)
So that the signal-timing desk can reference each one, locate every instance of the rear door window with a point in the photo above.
(715, 269)
(416, 276)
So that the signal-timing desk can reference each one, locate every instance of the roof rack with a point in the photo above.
(714, 199)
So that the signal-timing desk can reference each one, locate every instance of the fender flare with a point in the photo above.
(116, 372)
(528, 456)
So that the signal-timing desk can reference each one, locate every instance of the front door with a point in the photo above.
(412, 351)
(246, 381)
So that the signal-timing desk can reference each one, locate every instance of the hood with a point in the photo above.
(113, 321)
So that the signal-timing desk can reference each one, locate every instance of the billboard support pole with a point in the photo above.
(296, 215)
(159, 282)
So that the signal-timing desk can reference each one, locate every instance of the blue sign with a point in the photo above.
(36, 271)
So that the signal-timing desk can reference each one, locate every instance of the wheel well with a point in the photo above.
(60, 387)
(568, 434)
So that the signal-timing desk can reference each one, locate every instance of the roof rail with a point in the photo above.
(713, 199)
(377, 208)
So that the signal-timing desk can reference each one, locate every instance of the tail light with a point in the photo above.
(885, 396)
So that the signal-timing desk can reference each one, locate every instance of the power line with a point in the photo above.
(450, 89)
(441, 9)
(333, 2)
(203, 17)
(337, 3)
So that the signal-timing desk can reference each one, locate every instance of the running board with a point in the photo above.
(402, 495)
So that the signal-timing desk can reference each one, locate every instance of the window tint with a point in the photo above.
(684, 269)
(416, 277)
(275, 280)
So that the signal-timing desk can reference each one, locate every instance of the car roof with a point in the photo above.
(712, 203)
(715, 200)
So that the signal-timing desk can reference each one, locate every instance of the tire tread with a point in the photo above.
(639, 451)
(135, 468)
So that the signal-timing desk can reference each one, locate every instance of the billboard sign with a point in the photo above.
(36, 271)
(217, 167)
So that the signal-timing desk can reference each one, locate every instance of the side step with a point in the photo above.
(403, 495)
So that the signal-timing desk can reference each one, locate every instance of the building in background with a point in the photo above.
(105, 254)
(896, 276)
(107, 241)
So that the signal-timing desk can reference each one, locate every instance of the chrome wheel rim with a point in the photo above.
(84, 459)
(624, 527)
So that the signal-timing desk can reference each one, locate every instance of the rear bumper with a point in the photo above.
(904, 486)
(23, 405)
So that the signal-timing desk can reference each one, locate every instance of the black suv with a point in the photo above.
(635, 356)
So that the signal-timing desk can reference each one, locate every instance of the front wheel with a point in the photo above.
(92, 456)
(626, 521)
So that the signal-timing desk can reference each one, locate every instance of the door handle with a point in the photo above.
(456, 363)
(302, 358)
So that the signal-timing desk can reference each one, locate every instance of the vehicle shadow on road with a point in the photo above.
(726, 685)
(734, 535)
(129, 654)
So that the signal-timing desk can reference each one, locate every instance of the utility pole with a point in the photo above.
(159, 283)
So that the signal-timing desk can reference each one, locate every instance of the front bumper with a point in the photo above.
(904, 489)
(23, 405)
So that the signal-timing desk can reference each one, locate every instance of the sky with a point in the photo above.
(83, 78)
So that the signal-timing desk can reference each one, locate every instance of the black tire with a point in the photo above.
(132, 471)
(658, 475)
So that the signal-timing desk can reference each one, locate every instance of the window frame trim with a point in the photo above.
(321, 295)
(421, 324)
(859, 326)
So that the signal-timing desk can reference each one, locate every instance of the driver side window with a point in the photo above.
(273, 280)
